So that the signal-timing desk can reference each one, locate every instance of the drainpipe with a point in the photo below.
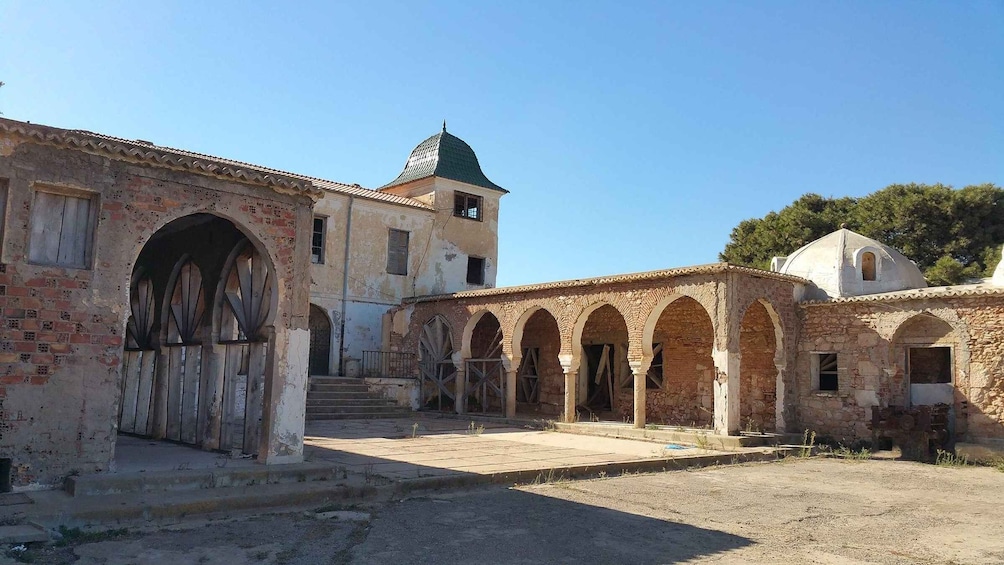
(345, 289)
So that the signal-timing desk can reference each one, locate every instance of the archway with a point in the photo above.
(680, 381)
(320, 341)
(540, 381)
(605, 381)
(757, 370)
(437, 372)
(925, 351)
(174, 386)
(483, 369)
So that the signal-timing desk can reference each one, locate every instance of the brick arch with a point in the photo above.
(516, 334)
(580, 323)
(648, 330)
(472, 323)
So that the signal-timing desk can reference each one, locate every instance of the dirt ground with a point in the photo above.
(793, 511)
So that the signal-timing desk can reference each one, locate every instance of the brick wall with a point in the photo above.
(758, 374)
(541, 331)
(686, 397)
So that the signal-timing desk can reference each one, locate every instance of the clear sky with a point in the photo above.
(632, 135)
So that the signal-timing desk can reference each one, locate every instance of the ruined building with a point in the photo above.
(179, 296)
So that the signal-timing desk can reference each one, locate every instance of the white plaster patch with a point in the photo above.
(866, 398)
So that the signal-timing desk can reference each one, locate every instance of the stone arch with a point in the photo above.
(656, 313)
(924, 332)
(681, 390)
(539, 375)
(601, 338)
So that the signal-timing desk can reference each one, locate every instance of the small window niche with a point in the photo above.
(317, 238)
(475, 270)
(824, 372)
(467, 206)
(929, 365)
(868, 266)
(62, 227)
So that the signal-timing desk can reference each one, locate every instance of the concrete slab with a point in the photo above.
(24, 533)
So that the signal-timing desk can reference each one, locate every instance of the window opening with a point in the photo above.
(317, 241)
(475, 270)
(397, 252)
(826, 368)
(467, 206)
(868, 266)
(930, 365)
(62, 230)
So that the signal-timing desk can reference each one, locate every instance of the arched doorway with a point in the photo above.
(483, 370)
(320, 342)
(757, 370)
(680, 381)
(540, 379)
(175, 385)
(605, 379)
(437, 372)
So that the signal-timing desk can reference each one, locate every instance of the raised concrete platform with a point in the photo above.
(668, 434)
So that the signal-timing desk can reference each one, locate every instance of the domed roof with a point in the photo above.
(446, 156)
(839, 265)
(998, 278)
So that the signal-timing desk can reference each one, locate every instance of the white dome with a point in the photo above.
(845, 263)
(998, 278)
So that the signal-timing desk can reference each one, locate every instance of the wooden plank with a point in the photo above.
(73, 235)
(144, 396)
(255, 396)
(232, 409)
(190, 398)
(47, 219)
(131, 367)
(174, 391)
(210, 406)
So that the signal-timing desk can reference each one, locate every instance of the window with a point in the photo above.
(824, 369)
(868, 266)
(62, 229)
(317, 240)
(475, 270)
(467, 206)
(930, 365)
(397, 252)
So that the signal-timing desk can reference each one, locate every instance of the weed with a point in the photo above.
(367, 473)
(651, 427)
(548, 478)
(702, 442)
(808, 442)
(848, 453)
(414, 430)
(475, 430)
(949, 459)
(752, 427)
(998, 464)
(76, 535)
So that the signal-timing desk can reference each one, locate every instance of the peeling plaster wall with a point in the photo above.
(61, 344)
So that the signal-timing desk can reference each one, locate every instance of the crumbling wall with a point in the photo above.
(758, 374)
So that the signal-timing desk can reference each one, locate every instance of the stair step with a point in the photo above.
(345, 395)
(352, 409)
(336, 380)
(361, 416)
(349, 402)
(348, 389)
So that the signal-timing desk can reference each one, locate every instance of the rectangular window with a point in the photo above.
(397, 252)
(467, 206)
(317, 240)
(930, 365)
(824, 368)
(62, 229)
(475, 270)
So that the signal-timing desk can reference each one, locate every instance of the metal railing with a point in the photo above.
(388, 364)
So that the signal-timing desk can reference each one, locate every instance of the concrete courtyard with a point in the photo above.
(792, 511)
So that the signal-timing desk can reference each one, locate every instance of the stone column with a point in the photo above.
(726, 391)
(510, 394)
(639, 370)
(571, 370)
(460, 383)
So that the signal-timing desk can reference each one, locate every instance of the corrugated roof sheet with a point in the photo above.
(628, 277)
(197, 162)
(444, 155)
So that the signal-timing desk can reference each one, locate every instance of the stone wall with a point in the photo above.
(62, 341)
(758, 376)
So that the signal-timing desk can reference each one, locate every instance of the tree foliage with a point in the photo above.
(951, 234)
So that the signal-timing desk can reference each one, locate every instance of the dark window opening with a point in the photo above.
(653, 379)
(475, 270)
(397, 252)
(467, 206)
(868, 266)
(827, 371)
(317, 241)
(930, 365)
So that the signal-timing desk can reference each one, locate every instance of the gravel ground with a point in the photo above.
(794, 511)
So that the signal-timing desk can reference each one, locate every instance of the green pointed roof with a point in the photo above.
(446, 156)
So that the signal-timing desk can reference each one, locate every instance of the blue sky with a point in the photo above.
(632, 135)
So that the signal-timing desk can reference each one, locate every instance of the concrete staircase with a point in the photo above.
(346, 398)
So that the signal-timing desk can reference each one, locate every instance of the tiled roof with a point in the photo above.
(196, 162)
(713, 268)
(956, 291)
(444, 155)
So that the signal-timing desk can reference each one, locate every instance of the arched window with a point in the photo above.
(868, 266)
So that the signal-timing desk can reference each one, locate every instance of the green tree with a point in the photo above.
(952, 235)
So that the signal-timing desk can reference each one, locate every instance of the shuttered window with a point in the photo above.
(62, 229)
(397, 252)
